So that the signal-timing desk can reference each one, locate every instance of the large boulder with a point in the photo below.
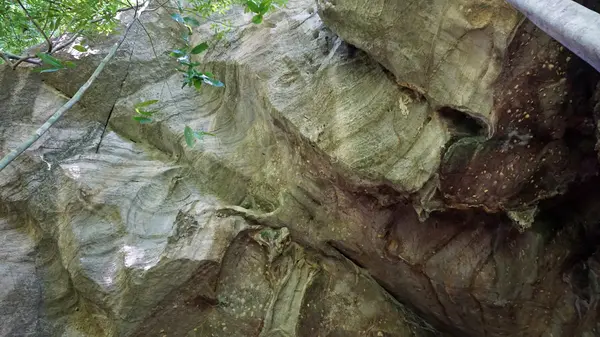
(110, 217)
(329, 191)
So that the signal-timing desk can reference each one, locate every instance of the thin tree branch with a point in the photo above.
(161, 6)
(17, 57)
(33, 59)
(22, 59)
(6, 59)
(68, 42)
(149, 38)
(120, 10)
(36, 26)
(127, 9)
(56, 116)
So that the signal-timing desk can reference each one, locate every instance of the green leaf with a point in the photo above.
(185, 62)
(142, 119)
(254, 7)
(200, 48)
(50, 70)
(212, 81)
(200, 134)
(177, 17)
(191, 21)
(50, 60)
(80, 48)
(70, 64)
(197, 83)
(138, 107)
(189, 136)
(265, 5)
(257, 19)
(145, 112)
(177, 53)
(145, 103)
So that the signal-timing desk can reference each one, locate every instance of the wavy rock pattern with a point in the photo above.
(330, 191)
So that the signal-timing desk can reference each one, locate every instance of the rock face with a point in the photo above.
(346, 192)
(449, 51)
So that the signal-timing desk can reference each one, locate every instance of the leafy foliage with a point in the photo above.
(26, 23)
(192, 77)
(191, 135)
(143, 115)
(260, 8)
(18, 29)
(53, 63)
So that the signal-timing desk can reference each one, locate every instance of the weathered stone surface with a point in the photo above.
(119, 225)
(289, 291)
(544, 139)
(533, 95)
(286, 221)
(450, 51)
(20, 291)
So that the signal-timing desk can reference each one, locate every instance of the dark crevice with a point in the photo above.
(576, 213)
(105, 126)
(461, 124)
(338, 247)
(437, 329)
(112, 108)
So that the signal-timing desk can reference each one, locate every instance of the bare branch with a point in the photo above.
(67, 43)
(17, 57)
(149, 38)
(37, 26)
(163, 5)
(22, 59)
(33, 59)
(126, 9)
(56, 116)
(6, 59)
(27, 59)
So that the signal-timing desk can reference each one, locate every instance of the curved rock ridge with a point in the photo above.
(111, 221)
(477, 58)
(331, 202)
(449, 51)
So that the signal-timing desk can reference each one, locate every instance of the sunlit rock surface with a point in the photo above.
(339, 197)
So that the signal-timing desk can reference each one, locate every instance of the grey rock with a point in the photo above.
(324, 205)
(450, 51)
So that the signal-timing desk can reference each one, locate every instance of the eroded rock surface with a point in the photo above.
(332, 189)
(450, 51)
(272, 286)
(533, 95)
